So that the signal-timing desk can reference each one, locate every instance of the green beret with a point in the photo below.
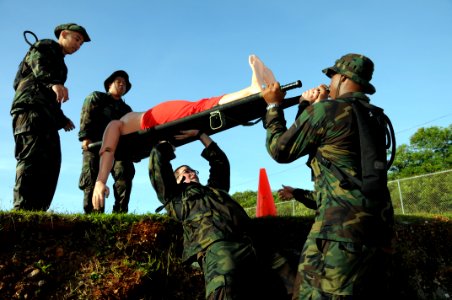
(357, 67)
(119, 73)
(72, 27)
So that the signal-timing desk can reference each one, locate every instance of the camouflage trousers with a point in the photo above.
(232, 270)
(122, 173)
(38, 155)
(341, 270)
(227, 268)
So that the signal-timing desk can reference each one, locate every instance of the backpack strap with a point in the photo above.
(23, 69)
(390, 140)
(376, 136)
(346, 181)
(33, 34)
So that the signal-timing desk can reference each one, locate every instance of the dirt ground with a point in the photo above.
(61, 257)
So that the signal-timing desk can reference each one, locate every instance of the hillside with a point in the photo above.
(50, 256)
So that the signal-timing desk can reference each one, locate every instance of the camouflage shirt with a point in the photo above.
(208, 213)
(329, 127)
(306, 197)
(97, 111)
(42, 67)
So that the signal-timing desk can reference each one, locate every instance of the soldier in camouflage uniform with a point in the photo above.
(346, 251)
(98, 110)
(214, 224)
(37, 116)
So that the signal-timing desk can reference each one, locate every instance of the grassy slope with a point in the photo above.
(49, 256)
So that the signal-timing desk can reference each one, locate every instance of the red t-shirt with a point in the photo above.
(172, 110)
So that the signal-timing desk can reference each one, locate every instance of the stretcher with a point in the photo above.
(246, 111)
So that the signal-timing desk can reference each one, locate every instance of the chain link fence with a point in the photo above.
(429, 193)
(287, 208)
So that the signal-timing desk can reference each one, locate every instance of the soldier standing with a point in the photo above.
(348, 247)
(37, 116)
(98, 110)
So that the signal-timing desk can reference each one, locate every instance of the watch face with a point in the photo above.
(271, 105)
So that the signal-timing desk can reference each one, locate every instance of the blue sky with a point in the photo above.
(193, 49)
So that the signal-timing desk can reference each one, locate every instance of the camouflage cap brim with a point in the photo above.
(368, 88)
(72, 27)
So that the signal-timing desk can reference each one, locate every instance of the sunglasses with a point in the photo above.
(187, 171)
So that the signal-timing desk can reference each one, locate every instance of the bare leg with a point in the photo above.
(129, 123)
(257, 82)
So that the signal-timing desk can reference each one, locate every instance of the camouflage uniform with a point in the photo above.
(214, 224)
(343, 252)
(306, 197)
(37, 117)
(98, 110)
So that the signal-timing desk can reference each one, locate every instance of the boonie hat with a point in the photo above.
(119, 73)
(357, 67)
(72, 27)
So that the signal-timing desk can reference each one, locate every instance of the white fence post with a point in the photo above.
(400, 195)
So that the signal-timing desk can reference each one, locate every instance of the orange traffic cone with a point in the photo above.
(265, 202)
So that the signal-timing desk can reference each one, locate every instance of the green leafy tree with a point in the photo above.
(246, 198)
(428, 152)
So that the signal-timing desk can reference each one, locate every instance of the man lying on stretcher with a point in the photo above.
(166, 112)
